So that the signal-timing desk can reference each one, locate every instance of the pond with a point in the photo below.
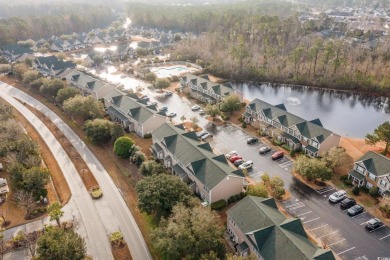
(346, 114)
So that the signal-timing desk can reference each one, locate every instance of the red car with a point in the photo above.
(235, 158)
(277, 155)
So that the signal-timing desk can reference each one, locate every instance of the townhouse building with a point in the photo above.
(15, 53)
(258, 228)
(203, 89)
(372, 170)
(209, 175)
(52, 66)
(296, 132)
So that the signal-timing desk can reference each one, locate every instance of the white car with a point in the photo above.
(172, 114)
(337, 196)
(196, 107)
(230, 154)
(246, 165)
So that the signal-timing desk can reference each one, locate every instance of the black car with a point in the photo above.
(355, 210)
(264, 150)
(252, 140)
(347, 203)
(238, 162)
(373, 223)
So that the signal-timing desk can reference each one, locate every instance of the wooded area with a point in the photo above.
(246, 45)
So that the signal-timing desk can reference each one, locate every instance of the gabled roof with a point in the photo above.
(16, 49)
(209, 168)
(86, 81)
(205, 83)
(131, 106)
(375, 163)
(52, 62)
(308, 129)
(274, 236)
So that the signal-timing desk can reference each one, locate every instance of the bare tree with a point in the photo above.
(30, 242)
(26, 200)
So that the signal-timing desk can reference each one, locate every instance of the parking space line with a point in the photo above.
(377, 228)
(337, 242)
(311, 220)
(359, 214)
(364, 223)
(325, 190)
(346, 251)
(329, 234)
(304, 213)
(384, 237)
(318, 227)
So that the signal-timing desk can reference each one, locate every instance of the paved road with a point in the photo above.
(96, 238)
(346, 236)
(112, 208)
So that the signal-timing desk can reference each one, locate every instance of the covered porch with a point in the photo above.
(357, 178)
(310, 150)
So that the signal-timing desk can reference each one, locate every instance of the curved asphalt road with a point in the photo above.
(113, 210)
(97, 240)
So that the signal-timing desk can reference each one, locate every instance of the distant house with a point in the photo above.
(141, 72)
(203, 89)
(208, 174)
(258, 228)
(372, 169)
(60, 45)
(85, 59)
(133, 113)
(52, 66)
(15, 53)
(298, 133)
(88, 84)
(95, 40)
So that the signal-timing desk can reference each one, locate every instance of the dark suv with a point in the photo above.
(347, 203)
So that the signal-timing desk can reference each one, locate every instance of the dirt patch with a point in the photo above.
(189, 126)
(145, 144)
(121, 253)
(357, 147)
(124, 175)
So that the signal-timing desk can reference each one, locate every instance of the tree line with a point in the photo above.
(15, 29)
(246, 45)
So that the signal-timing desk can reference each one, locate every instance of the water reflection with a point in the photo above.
(345, 113)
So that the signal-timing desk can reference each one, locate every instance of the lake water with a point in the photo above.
(344, 113)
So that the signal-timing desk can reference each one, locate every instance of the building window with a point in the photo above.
(359, 169)
(371, 176)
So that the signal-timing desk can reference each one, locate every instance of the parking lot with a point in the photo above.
(345, 235)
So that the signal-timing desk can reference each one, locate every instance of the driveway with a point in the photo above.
(111, 209)
(326, 222)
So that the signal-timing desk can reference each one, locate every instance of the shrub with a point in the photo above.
(374, 191)
(364, 189)
(220, 204)
(285, 146)
(148, 136)
(355, 190)
(122, 147)
(236, 197)
(138, 158)
(292, 153)
(225, 117)
(244, 124)
(348, 182)
(385, 209)
(96, 192)
(116, 239)
(343, 178)
(258, 190)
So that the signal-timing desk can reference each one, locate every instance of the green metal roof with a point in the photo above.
(311, 148)
(209, 168)
(274, 236)
(357, 175)
(375, 163)
(86, 81)
(206, 84)
(116, 113)
(178, 170)
(291, 138)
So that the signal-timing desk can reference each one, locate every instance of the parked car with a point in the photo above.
(355, 210)
(206, 136)
(146, 98)
(264, 150)
(238, 162)
(373, 224)
(168, 93)
(337, 196)
(248, 165)
(163, 109)
(201, 112)
(200, 134)
(252, 140)
(172, 114)
(230, 154)
(194, 108)
(347, 203)
(235, 158)
(152, 103)
(277, 155)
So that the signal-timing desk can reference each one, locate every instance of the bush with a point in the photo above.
(116, 239)
(258, 190)
(348, 182)
(148, 136)
(343, 178)
(293, 153)
(220, 204)
(385, 209)
(285, 146)
(138, 158)
(236, 197)
(356, 191)
(225, 117)
(374, 192)
(96, 192)
(122, 147)
(244, 124)
(364, 189)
